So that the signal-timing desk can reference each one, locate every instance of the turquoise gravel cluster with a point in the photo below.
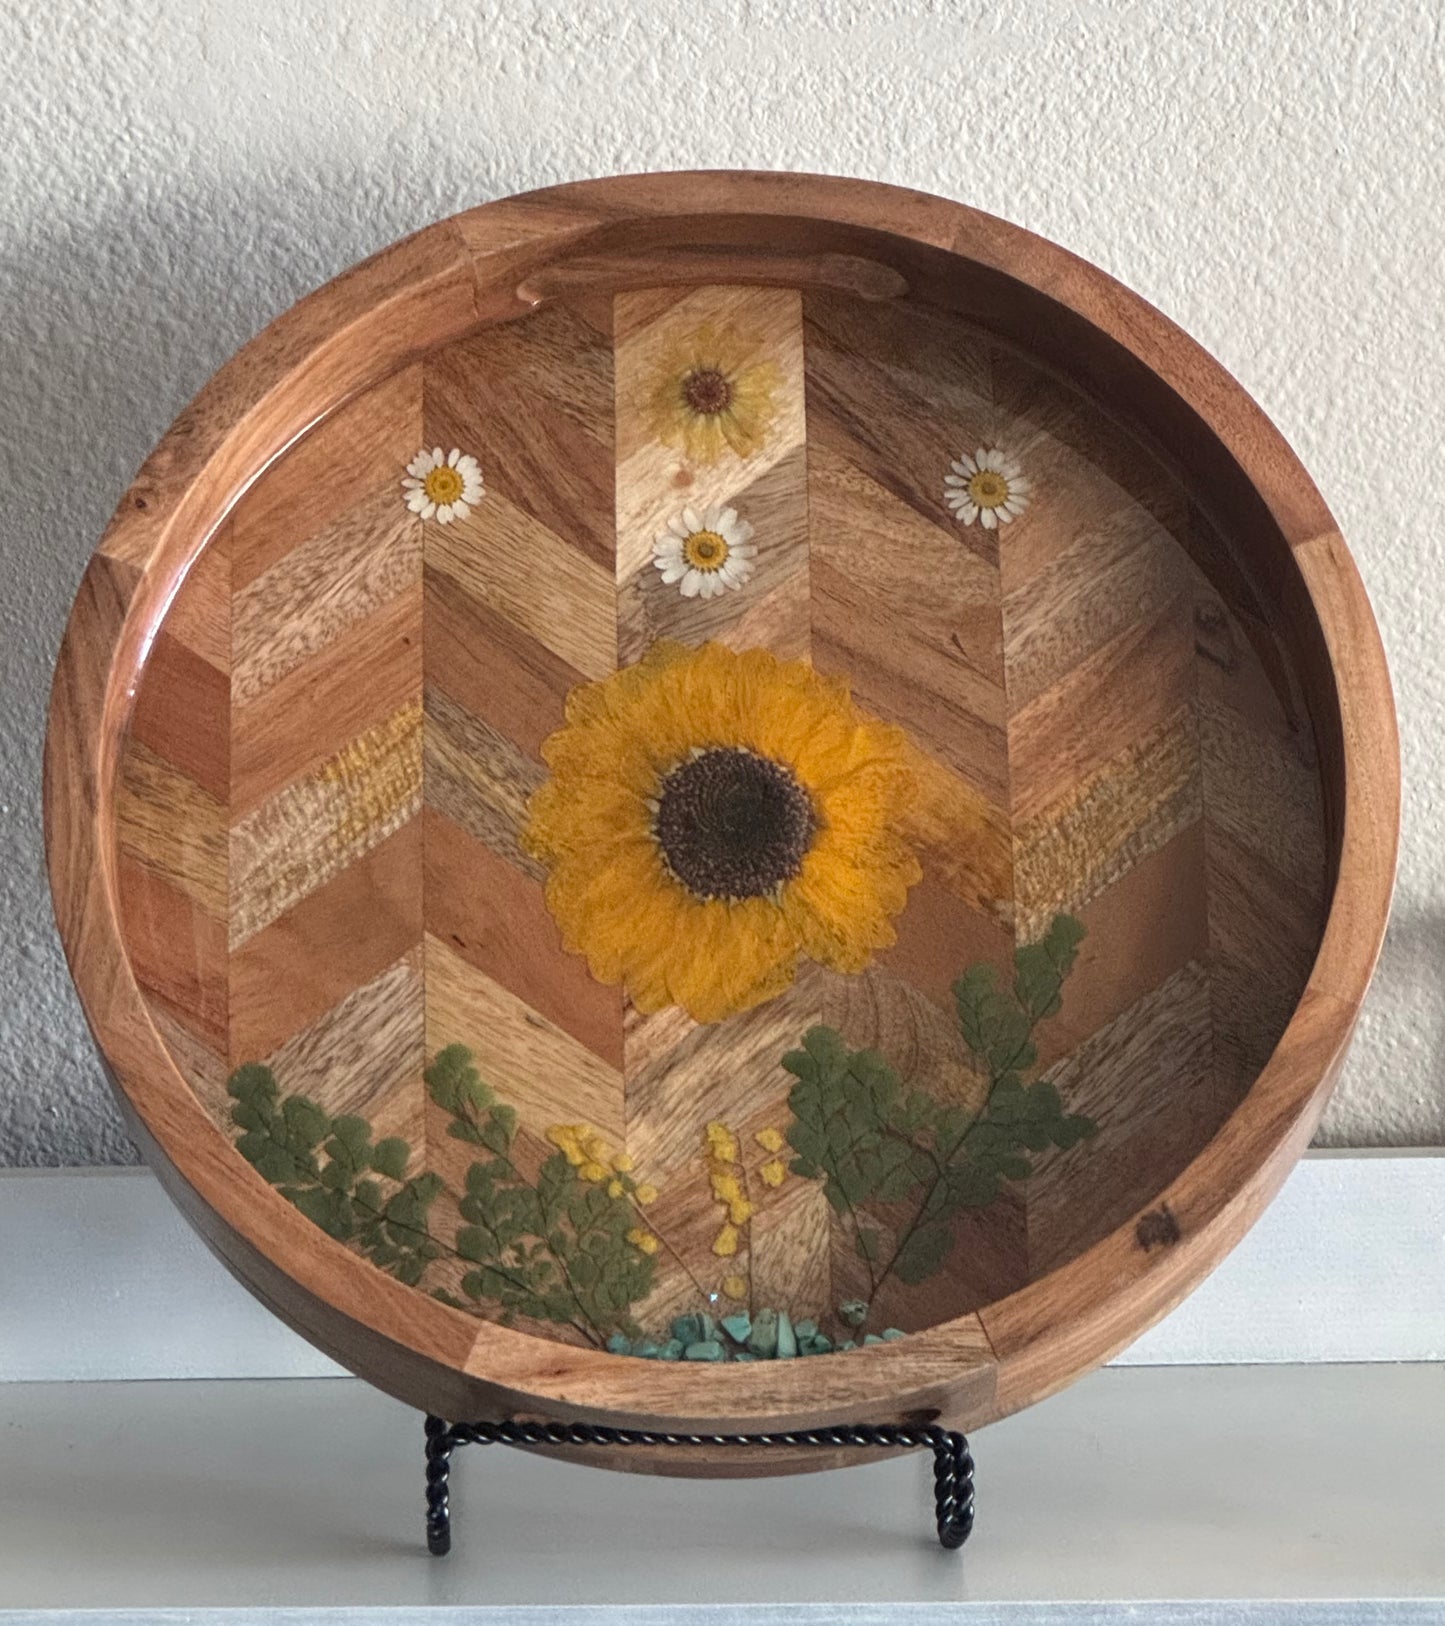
(770, 1335)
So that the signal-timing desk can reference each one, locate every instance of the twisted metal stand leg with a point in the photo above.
(952, 1460)
(439, 1442)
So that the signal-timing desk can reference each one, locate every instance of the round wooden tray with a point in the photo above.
(722, 746)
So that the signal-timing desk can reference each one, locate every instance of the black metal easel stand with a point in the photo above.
(952, 1461)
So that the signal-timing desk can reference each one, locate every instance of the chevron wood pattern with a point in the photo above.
(172, 829)
(325, 919)
(323, 796)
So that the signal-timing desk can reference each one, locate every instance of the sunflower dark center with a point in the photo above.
(732, 824)
(707, 391)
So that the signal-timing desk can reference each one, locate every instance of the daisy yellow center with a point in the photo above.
(706, 551)
(988, 489)
(707, 391)
(732, 824)
(442, 485)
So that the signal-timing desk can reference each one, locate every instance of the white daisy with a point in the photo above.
(443, 486)
(988, 488)
(705, 552)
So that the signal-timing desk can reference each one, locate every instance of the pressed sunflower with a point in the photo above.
(713, 817)
(713, 392)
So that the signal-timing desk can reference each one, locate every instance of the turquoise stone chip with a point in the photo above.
(687, 1329)
(763, 1340)
(738, 1327)
(706, 1349)
(787, 1338)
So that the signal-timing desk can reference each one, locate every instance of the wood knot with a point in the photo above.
(1157, 1229)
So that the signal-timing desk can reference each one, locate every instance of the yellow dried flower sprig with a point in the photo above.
(595, 1162)
(728, 1178)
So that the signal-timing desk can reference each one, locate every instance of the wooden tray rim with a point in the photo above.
(447, 280)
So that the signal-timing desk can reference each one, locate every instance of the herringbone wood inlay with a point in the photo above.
(324, 793)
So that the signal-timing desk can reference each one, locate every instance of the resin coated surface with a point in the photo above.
(715, 817)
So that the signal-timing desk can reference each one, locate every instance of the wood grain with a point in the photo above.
(365, 1055)
(889, 396)
(320, 706)
(888, 556)
(182, 715)
(514, 941)
(524, 573)
(544, 393)
(318, 825)
(173, 827)
(1107, 823)
(1129, 685)
(533, 1064)
(1148, 1080)
(733, 1066)
(349, 462)
(479, 779)
(179, 952)
(310, 958)
(306, 600)
(491, 669)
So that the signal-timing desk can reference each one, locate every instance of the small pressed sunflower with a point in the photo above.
(774, 1172)
(713, 393)
(643, 1241)
(735, 1288)
(725, 1243)
(705, 553)
(988, 489)
(443, 486)
(713, 817)
(771, 1140)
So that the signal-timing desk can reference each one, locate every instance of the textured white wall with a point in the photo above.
(177, 172)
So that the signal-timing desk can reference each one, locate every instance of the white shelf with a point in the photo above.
(1191, 1484)
(1186, 1493)
(103, 1279)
